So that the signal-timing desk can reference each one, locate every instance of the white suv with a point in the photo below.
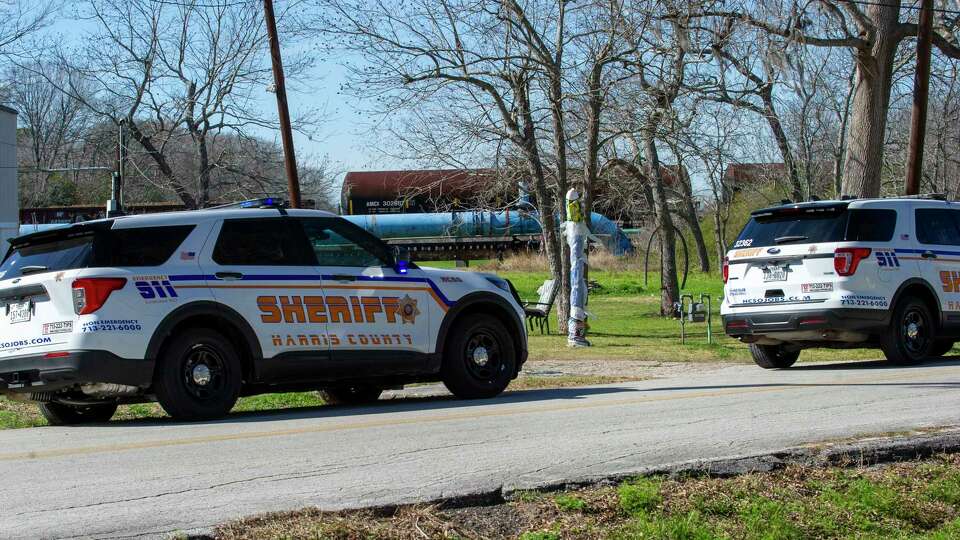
(842, 274)
(193, 309)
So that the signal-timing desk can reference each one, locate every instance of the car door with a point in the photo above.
(938, 239)
(379, 318)
(263, 270)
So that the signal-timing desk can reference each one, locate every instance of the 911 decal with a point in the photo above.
(887, 259)
(155, 288)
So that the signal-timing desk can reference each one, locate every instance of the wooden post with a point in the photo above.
(286, 133)
(921, 88)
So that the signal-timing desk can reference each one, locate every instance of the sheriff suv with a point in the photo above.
(850, 273)
(194, 309)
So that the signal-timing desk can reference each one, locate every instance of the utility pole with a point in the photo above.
(921, 89)
(286, 134)
(115, 204)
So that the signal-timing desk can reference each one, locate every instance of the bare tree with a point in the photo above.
(872, 31)
(21, 18)
(168, 69)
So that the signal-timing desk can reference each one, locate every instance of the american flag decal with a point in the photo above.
(188, 255)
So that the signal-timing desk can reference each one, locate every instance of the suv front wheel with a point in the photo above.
(479, 360)
(774, 356)
(198, 376)
(910, 338)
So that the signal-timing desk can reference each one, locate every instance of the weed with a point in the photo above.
(639, 497)
(570, 503)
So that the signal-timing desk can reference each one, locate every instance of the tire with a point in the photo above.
(58, 414)
(773, 356)
(941, 347)
(198, 376)
(479, 359)
(351, 395)
(910, 338)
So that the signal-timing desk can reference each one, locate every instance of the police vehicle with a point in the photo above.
(849, 273)
(194, 309)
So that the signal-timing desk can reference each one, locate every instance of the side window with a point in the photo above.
(260, 242)
(871, 225)
(937, 226)
(339, 243)
(143, 246)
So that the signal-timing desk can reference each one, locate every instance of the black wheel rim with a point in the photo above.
(915, 332)
(204, 372)
(483, 356)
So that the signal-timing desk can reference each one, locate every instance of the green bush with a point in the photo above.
(539, 535)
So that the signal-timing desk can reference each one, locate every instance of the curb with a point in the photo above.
(861, 453)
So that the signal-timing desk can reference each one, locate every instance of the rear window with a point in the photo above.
(828, 224)
(145, 246)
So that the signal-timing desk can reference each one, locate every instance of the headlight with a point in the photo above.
(506, 286)
(500, 283)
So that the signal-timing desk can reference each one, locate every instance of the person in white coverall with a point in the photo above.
(576, 232)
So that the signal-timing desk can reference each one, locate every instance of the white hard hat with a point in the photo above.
(573, 195)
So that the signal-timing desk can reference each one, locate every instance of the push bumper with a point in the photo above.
(43, 373)
(869, 321)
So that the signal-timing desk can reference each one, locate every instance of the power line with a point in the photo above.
(194, 5)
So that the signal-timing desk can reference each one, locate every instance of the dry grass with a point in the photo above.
(600, 260)
(906, 500)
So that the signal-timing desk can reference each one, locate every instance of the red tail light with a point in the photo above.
(846, 260)
(726, 269)
(89, 294)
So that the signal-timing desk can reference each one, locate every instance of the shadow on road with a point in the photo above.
(407, 404)
(874, 364)
(439, 403)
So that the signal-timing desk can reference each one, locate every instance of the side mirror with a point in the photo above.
(401, 259)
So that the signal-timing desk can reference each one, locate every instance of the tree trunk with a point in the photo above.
(871, 101)
(669, 287)
(689, 213)
(719, 236)
(789, 162)
(560, 150)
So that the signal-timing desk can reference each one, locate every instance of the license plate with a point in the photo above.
(19, 312)
(774, 273)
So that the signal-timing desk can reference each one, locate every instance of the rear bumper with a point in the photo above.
(38, 373)
(867, 321)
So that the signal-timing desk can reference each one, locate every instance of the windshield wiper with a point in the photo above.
(787, 239)
(33, 269)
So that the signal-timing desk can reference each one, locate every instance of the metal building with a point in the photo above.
(9, 198)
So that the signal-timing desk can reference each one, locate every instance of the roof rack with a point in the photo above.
(262, 202)
(934, 196)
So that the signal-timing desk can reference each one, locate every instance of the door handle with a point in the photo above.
(928, 255)
(229, 275)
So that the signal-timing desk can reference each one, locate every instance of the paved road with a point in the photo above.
(131, 478)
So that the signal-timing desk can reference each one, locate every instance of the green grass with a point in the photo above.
(913, 500)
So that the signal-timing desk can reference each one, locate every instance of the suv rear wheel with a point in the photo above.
(59, 414)
(774, 356)
(198, 377)
(479, 360)
(910, 338)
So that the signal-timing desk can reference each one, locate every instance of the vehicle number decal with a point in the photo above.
(825, 286)
(746, 242)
